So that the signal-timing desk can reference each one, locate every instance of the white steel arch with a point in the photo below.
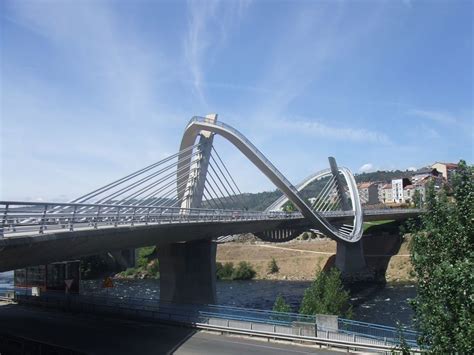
(199, 124)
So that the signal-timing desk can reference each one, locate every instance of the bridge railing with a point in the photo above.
(228, 316)
(38, 217)
(391, 211)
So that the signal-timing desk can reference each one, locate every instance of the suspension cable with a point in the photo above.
(98, 191)
(225, 168)
(223, 185)
(227, 181)
(218, 187)
(321, 196)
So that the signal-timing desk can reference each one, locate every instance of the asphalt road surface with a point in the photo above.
(98, 335)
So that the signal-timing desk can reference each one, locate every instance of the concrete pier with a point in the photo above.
(188, 272)
(350, 257)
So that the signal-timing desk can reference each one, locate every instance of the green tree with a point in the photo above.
(289, 207)
(224, 272)
(145, 255)
(442, 254)
(244, 271)
(402, 348)
(326, 295)
(273, 266)
(280, 305)
(417, 199)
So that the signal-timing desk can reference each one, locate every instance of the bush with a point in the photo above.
(224, 272)
(280, 305)
(305, 236)
(326, 295)
(154, 268)
(144, 255)
(273, 266)
(244, 271)
(130, 271)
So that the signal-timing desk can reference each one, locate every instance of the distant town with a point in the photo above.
(408, 189)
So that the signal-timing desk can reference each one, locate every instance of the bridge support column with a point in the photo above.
(188, 272)
(350, 258)
(124, 258)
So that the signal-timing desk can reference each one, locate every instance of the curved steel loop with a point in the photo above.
(199, 124)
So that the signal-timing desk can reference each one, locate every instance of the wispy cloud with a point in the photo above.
(304, 51)
(366, 168)
(430, 132)
(436, 116)
(91, 99)
(317, 128)
(117, 67)
(208, 25)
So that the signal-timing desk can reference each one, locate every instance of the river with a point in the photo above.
(382, 304)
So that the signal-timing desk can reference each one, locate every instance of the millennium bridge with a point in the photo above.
(184, 204)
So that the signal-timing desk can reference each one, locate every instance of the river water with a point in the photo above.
(382, 304)
(6, 280)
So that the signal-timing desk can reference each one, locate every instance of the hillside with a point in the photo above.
(261, 200)
(383, 176)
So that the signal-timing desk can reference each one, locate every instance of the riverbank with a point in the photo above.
(298, 260)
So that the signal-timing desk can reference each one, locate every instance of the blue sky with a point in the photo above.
(92, 90)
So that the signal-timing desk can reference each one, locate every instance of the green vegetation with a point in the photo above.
(144, 255)
(402, 348)
(417, 201)
(243, 271)
(147, 265)
(384, 176)
(377, 227)
(443, 261)
(260, 201)
(280, 305)
(326, 295)
(289, 207)
(251, 201)
(273, 267)
(224, 272)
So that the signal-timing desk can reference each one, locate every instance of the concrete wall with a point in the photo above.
(188, 272)
(350, 257)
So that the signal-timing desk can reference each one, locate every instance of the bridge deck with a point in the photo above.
(31, 248)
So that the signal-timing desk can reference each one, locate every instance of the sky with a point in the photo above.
(93, 90)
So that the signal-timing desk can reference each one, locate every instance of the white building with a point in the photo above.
(397, 189)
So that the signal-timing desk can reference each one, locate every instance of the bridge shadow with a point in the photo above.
(35, 330)
(380, 243)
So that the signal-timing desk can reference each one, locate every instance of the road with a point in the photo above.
(98, 335)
